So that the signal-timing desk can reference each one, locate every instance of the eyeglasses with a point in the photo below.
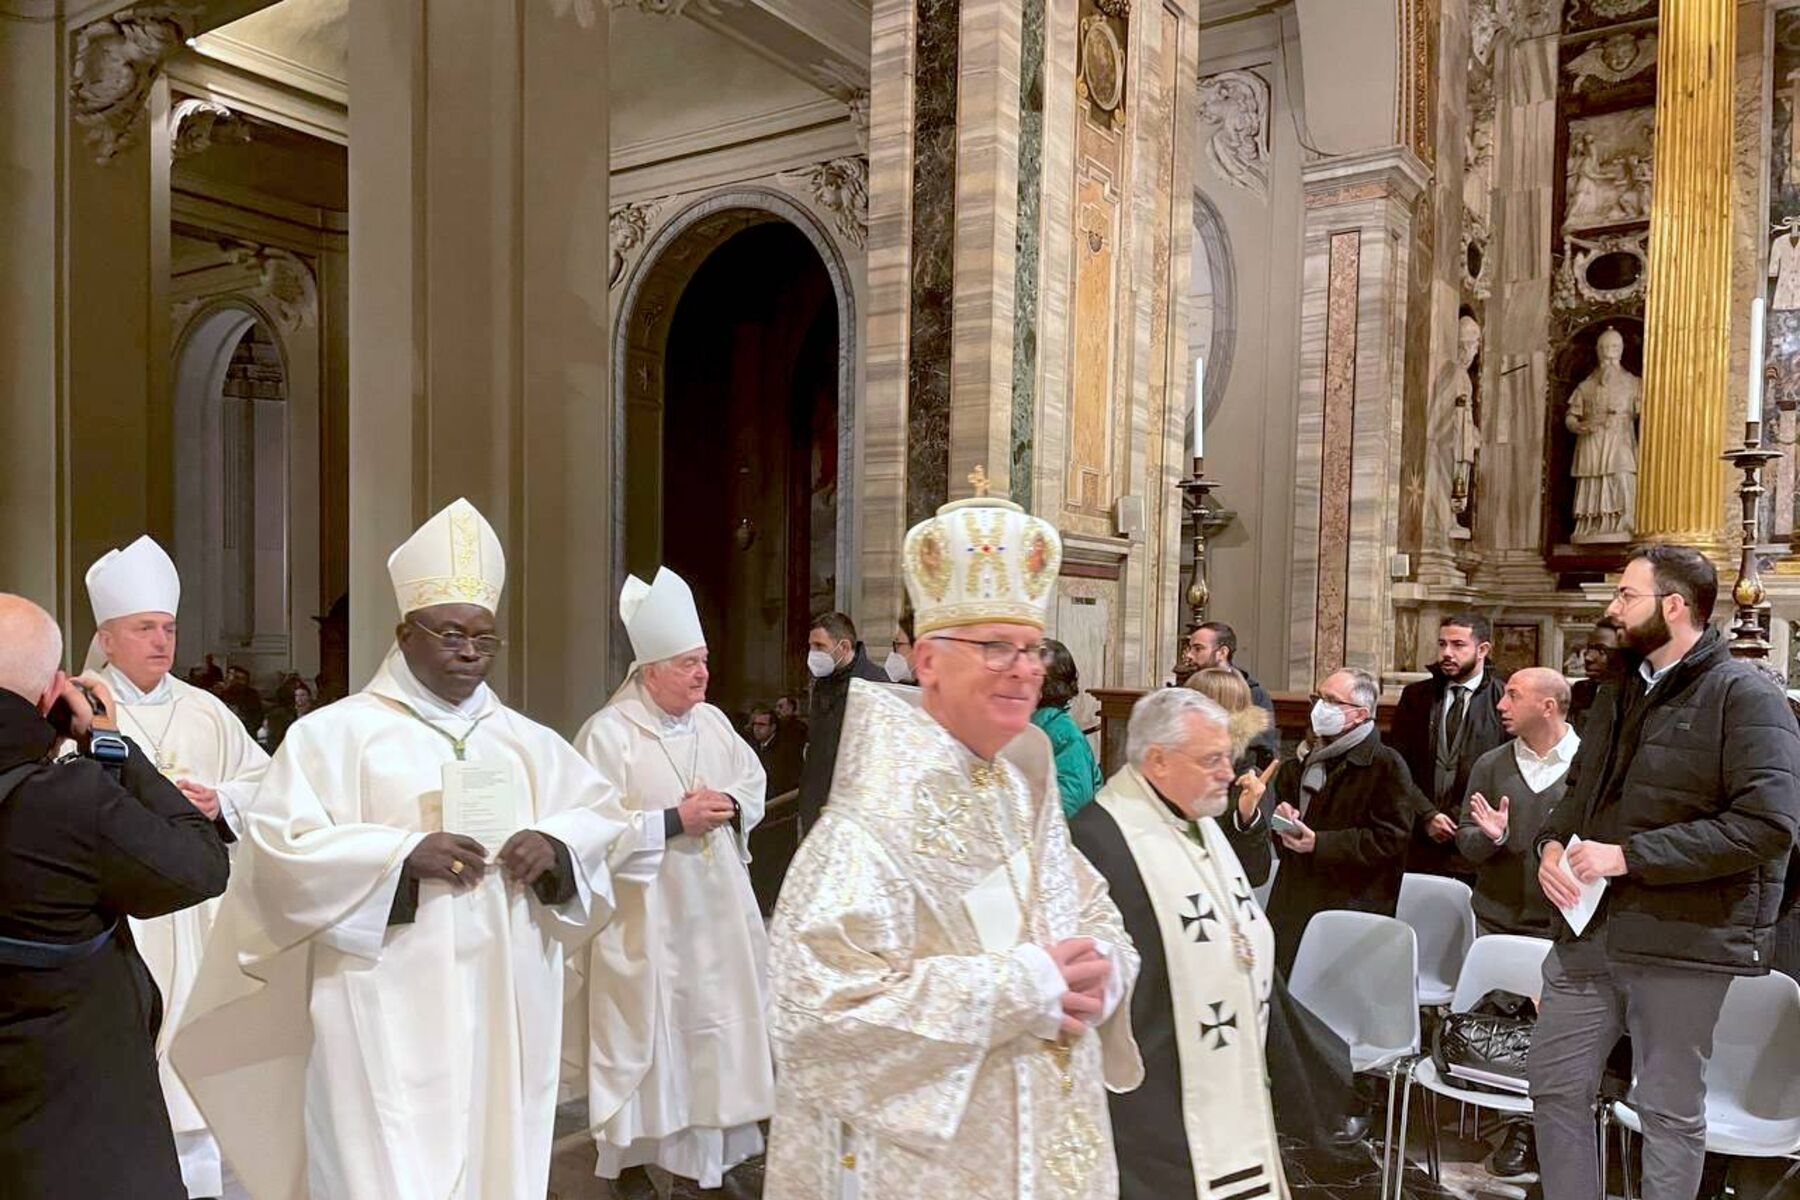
(456, 641)
(1316, 698)
(1001, 656)
(1627, 596)
(1216, 761)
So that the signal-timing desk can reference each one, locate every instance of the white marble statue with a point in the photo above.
(1603, 417)
(1468, 433)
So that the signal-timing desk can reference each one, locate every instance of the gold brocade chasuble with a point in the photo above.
(902, 1022)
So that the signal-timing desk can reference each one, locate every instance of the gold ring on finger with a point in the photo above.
(456, 868)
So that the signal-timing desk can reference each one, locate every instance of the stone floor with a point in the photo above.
(1312, 1175)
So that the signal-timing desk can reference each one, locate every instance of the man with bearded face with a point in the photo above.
(1441, 726)
(1685, 797)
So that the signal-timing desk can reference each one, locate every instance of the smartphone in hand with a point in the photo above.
(1283, 824)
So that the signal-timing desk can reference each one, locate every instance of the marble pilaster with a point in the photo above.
(84, 316)
(1359, 211)
(985, 240)
(480, 363)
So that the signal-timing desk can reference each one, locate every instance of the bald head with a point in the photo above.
(1546, 684)
(31, 647)
(1535, 706)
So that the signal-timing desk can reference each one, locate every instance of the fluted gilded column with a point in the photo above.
(1687, 318)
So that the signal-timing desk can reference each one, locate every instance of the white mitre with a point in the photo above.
(139, 578)
(454, 558)
(981, 561)
(660, 618)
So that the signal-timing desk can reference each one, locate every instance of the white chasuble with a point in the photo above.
(906, 1025)
(679, 1069)
(1220, 951)
(189, 734)
(337, 1057)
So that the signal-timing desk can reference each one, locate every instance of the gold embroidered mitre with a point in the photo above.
(454, 558)
(979, 561)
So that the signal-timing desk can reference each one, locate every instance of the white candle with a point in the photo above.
(1753, 409)
(1199, 442)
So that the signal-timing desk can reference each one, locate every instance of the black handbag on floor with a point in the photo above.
(1485, 1048)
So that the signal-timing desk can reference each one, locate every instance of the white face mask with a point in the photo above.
(1328, 719)
(820, 663)
(897, 668)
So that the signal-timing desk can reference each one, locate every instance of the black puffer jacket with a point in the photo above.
(1699, 781)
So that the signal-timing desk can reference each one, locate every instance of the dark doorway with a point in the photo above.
(750, 454)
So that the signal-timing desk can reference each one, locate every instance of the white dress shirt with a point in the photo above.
(1542, 771)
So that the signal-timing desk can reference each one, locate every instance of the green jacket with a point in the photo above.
(1077, 774)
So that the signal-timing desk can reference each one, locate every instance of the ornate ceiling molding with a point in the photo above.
(284, 283)
(116, 61)
(626, 228)
(195, 125)
(1238, 103)
(840, 186)
(858, 104)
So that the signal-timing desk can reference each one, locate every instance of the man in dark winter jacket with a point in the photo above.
(1349, 800)
(833, 657)
(83, 845)
(1684, 797)
(1441, 726)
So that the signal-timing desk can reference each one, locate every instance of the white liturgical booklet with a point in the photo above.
(1582, 911)
(481, 801)
(993, 905)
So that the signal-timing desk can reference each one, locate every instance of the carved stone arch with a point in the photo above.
(652, 291)
(252, 457)
(1212, 238)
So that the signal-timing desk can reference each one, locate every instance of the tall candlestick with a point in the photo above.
(1199, 439)
(1753, 408)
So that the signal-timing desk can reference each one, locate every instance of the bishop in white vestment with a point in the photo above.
(1202, 1125)
(200, 746)
(679, 1067)
(946, 970)
(379, 1012)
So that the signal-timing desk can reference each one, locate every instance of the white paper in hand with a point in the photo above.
(1582, 911)
(481, 801)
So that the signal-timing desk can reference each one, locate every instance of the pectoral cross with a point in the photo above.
(978, 479)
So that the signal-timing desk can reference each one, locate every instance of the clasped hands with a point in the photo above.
(704, 810)
(462, 861)
(1085, 971)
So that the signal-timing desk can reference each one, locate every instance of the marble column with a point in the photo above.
(84, 319)
(1358, 234)
(478, 279)
(1028, 240)
(1688, 310)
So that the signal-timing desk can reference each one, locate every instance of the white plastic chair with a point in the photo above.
(1441, 911)
(1358, 972)
(1499, 961)
(1752, 1079)
(1267, 886)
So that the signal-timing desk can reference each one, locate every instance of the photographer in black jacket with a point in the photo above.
(83, 845)
(1685, 795)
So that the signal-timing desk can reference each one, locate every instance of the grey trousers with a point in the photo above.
(1588, 1002)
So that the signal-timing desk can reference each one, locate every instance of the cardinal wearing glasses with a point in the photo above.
(379, 1012)
(950, 980)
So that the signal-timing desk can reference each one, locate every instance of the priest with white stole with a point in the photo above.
(379, 1012)
(680, 1071)
(948, 973)
(201, 747)
(1202, 1125)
